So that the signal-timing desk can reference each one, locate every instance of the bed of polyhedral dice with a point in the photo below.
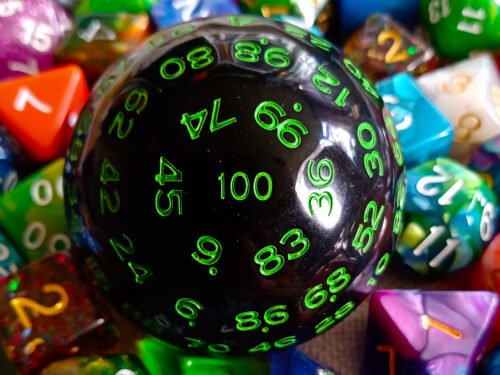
(435, 63)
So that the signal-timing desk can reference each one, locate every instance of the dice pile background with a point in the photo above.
(435, 64)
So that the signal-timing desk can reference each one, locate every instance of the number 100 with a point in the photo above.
(242, 192)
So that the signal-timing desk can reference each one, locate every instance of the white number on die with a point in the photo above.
(424, 188)
(42, 192)
(9, 8)
(35, 234)
(37, 35)
(25, 96)
(438, 9)
(486, 228)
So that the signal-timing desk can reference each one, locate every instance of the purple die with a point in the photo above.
(30, 31)
(418, 332)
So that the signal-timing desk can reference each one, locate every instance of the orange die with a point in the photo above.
(40, 111)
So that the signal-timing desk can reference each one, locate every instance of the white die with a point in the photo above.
(468, 94)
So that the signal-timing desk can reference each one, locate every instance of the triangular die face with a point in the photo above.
(34, 109)
(197, 118)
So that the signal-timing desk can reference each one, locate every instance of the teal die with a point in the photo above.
(458, 27)
(10, 260)
(423, 130)
(450, 217)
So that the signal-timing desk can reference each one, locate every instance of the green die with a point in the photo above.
(268, 8)
(32, 215)
(458, 27)
(112, 6)
(161, 358)
(450, 218)
(116, 364)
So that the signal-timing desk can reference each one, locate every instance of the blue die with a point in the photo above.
(9, 158)
(424, 132)
(490, 365)
(353, 13)
(294, 362)
(169, 12)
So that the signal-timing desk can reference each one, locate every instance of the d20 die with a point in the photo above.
(450, 217)
(458, 27)
(31, 30)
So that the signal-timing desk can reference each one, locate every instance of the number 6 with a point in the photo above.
(486, 228)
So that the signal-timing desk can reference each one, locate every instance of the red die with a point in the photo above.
(46, 312)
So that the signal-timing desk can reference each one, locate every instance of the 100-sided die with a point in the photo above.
(214, 188)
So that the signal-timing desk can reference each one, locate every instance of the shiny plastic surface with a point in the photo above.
(232, 185)
(427, 332)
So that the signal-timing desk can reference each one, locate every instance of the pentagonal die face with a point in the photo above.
(233, 185)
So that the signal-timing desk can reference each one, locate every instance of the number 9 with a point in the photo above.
(264, 108)
(286, 127)
(212, 255)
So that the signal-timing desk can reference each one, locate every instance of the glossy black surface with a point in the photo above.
(165, 244)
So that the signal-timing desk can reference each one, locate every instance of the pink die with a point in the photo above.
(30, 31)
